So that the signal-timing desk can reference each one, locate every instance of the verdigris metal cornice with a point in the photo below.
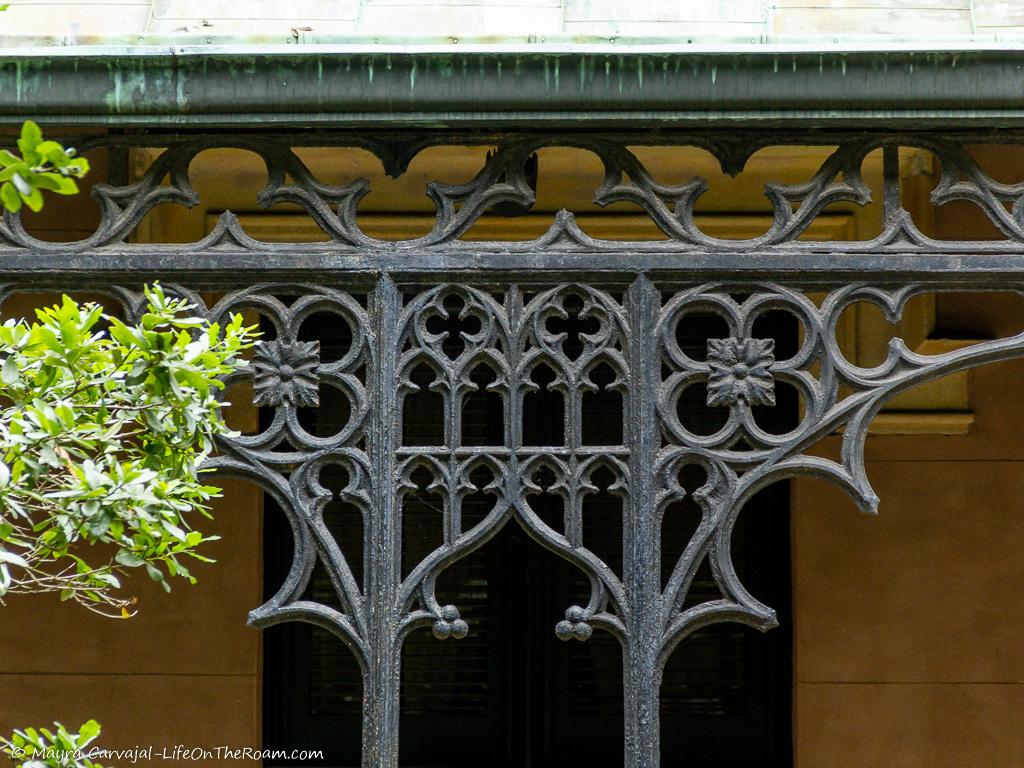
(523, 85)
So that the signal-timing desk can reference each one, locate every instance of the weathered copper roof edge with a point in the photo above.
(495, 86)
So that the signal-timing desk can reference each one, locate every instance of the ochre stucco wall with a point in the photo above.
(908, 625)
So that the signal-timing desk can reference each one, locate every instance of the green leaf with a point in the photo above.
(31, 134)
(9, 372)
(108, 578)
(88, 731)
(34, 200)
(54, 182)
(129, 559)
(6, 556)
(79, 167)
(45, 148)
(10, 197)
(8, 158)
(99, 525)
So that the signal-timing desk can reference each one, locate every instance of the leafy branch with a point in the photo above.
(43, 164)
(61, 748)
(102, 436)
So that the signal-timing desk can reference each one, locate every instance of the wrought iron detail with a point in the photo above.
(507, 181)
(741, 370)
(286, 373)
(566, 315)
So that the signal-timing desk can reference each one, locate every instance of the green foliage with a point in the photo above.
(42, 165)
(43, 748)
(102, 433)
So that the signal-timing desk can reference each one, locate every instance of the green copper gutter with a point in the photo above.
(527, 85)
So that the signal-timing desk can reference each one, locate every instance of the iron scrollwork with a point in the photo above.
(498, 315)
(506, 179)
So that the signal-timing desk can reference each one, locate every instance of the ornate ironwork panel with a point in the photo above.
(434, 321)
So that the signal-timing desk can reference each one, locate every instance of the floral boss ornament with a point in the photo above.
(741, 371)
(286, 373)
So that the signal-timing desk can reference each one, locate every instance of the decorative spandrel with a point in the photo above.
(290, 373)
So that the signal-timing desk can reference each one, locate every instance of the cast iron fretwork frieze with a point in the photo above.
(438, 320)
(507, 181)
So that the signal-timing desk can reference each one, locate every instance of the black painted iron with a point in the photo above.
(566, 302)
